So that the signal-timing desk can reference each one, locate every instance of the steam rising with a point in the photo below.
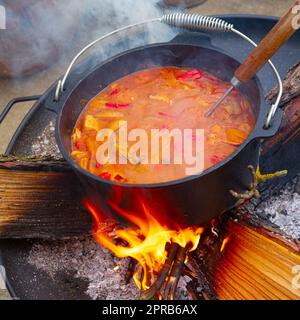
(60, 28)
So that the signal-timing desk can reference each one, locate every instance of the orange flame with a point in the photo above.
(146, 240)
(224, 244)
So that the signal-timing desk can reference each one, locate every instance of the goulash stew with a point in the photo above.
(164, 98)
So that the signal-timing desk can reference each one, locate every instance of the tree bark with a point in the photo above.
(291, 86)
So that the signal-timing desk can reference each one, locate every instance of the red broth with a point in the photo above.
(162, 98)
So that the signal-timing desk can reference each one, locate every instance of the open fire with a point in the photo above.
(158, 246)
(161, 251)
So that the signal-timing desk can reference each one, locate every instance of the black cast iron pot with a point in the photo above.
(194, 199)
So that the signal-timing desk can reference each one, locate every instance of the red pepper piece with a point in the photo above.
(116, 105)
(191, 75)
(164, 114)
(80, 145)
(105, 175)
(216, 159)
(114, 92)
(98, 165)
(119, 178)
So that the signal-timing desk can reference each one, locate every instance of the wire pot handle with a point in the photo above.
(188, 21)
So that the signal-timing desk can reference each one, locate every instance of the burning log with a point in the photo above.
(256, 266)
(167, 282)
(40, 199)
(171, 285)
(157, 286)
(243, 261)
(201, 262)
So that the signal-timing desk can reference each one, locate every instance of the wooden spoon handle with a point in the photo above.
(280, 33)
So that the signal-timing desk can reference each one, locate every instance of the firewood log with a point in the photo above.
(40, 198)
(290, 126)
(291, 86)
(290, 103)
(257, 266)
(245, 258)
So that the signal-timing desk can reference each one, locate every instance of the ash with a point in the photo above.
(283, 209)
(104, 272)
(46, 143)
(182, 292)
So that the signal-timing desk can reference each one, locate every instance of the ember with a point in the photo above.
(224, 243)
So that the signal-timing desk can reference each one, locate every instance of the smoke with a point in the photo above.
(121, 12)
(114, 14)
(41, 32)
